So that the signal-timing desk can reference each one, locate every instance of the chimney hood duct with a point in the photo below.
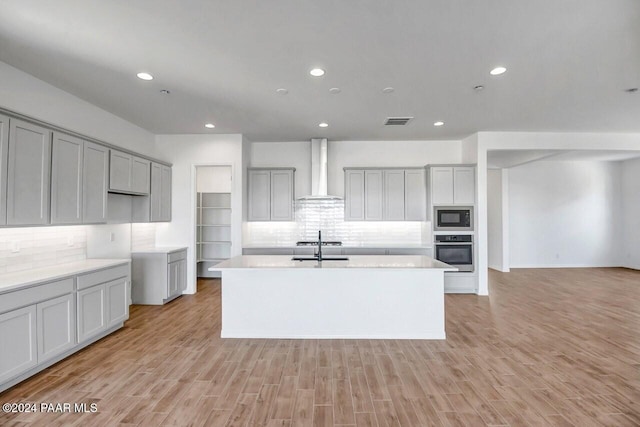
(319, 156)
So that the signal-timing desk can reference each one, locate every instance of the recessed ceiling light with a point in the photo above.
(165, 92)
(323, 125)
(438, 123)
(335, 90)
(388, 90)
(317, 72)
(631, 90)
(145, 76)
(478, 88)
(497, 71)
(210, 125)
(282, 91)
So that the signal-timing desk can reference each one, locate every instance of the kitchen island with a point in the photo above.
(364, 297)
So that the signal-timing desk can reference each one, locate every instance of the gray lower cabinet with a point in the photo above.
(128, 174)
(4, 157)
(329, 250)
(95, 183)
(28, 174)
(271, 193)
(67, 155)
(158, 276)
(40, 324)
(56, 326)
(156, 207)
(102, 301)
(18, 331)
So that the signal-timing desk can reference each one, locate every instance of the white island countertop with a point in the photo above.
(354, 261)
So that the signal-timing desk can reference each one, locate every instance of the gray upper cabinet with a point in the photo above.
(66, 179)
(271, 194)
(95, 183)
(373, 198)
(453, 185)
(165, 194)
(129, 174)
(354, 195)
(394, 203)
(282, 195)
(140, 175)
(415, 195)
(385, 194)
(156, 207)
(28, 174)
(4, 156)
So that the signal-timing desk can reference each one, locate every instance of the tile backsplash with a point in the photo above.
(32, 247)
(143, 235)
(328, 216)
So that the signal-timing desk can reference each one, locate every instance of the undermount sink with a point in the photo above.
(324, 258)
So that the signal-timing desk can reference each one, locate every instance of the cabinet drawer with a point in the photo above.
(177, 256)
(102, 276)
(33, 295)
(409, 251)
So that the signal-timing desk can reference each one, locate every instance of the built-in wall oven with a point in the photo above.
(455, 250)
(453, 218)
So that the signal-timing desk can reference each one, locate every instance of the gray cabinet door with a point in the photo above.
(373, 200)
(464, 192)
(117, 300)
(155, 198)
(442, 185)
(415, 195)
(393, 195)
(28, 174)
(92, 319)
(182, 275)
(259, 195)
(165, 196)
(18, 331)
(282, 195)
(354, 195)
(173, 284)
(56, 326)
(95, 183)
(140, 175)
(4, 158)
(120, 171)
(66, 179)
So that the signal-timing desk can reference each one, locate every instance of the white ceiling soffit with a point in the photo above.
(568, 64)
(504, 159)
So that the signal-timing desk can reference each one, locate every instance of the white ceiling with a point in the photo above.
(568, 64)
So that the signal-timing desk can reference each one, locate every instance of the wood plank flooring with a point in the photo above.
(548, 347)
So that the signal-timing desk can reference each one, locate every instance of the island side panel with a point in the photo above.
(333, 303)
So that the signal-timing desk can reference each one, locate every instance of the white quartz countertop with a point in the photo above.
(13, 281)
(159, 250)
(355, 261)
(347, 246)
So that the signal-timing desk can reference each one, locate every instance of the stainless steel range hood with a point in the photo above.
(319, 156)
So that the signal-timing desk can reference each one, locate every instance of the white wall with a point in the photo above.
(631, 213)
(498, 219)
(186, 152)
(565, 214)
(386, 154)
(25, 94)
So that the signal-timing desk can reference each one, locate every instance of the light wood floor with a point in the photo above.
(549, 347)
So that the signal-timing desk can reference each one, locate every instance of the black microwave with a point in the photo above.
(453, 218)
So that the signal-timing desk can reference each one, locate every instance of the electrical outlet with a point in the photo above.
(70, 241)
(112, 237)
(15, 246)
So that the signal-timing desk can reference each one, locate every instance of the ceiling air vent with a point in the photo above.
(397, 121)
